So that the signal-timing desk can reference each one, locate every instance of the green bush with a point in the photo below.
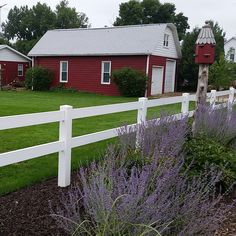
(38, 77)
(222, 73)
(202, 152)
(131, 83)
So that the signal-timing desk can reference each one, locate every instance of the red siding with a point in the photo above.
(205, 53)
(10, 71)
(157, 61)
(85, 72)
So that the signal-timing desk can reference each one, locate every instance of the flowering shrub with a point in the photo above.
(216, 124)
(153, 196)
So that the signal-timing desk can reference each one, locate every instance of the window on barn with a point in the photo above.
(232, 54)
(166, 40)
(20, 70)
(106, 72)
(64, 71)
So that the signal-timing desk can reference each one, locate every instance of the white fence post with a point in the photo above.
(231, 98)
(213, 98)
(141, 117)
(65, 135)
(142, 111)
(185, 103)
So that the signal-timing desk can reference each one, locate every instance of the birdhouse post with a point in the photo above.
(204, 56)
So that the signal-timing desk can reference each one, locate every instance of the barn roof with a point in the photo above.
(4, 46)
(233, 38)
(206, 35)
(121, 40)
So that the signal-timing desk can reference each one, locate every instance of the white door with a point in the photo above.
(170, 76)
(157, 80)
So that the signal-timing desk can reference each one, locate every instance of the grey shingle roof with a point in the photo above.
(206, 35)
(2, 46)
(124, 40)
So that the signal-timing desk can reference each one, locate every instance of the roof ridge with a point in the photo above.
(111, 27)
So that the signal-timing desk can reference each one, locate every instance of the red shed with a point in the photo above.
(85, 58)
(13, 64)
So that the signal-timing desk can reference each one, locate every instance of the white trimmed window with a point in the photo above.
(232, 54)
(20, 70)
(63, 71)
(106, 72)
(166, 40)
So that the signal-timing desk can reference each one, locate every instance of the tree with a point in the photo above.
(67, 17)
(17, 25)
(27, 25)
(24, 46)
(151, 11)
(188, 69)
(222, 73)
(4, 41)
(130, 14)
(42, 19)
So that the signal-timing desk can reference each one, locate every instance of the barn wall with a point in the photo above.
(169, 51)
(10, 71)
(84, 73)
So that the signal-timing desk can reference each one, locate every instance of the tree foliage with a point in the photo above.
(151, 11)
(27, 25)
(67, 17)
(222, 73)
(188, 68)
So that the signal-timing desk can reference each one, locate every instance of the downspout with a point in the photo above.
(147, 72)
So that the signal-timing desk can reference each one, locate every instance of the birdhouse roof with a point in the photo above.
(206, 35)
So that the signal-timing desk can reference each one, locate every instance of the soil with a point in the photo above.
(27, 212)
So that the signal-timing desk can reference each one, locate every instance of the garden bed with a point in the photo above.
(27, 212)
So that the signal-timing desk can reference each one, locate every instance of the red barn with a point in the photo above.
(85, 58)
(13, 64)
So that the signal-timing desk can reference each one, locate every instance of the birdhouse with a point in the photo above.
(205, 46)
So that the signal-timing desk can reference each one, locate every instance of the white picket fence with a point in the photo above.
(65, 116)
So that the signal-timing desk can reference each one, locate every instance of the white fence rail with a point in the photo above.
(65, 116)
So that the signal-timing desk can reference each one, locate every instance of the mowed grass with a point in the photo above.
(26, 173)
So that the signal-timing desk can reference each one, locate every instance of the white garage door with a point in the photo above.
(170, 76)
(157, 80)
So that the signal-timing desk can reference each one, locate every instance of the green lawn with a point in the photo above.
(20, 175)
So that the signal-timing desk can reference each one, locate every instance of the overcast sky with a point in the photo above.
(104, 12)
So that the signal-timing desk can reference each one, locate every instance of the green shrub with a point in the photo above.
(38, 77)
(222, 73)
(62, 88)
(131, 83)
(202, 151)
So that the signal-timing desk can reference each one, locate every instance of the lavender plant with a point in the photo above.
(155, 197)
(164, 137)
(217, 124)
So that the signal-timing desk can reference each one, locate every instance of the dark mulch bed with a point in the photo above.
(27, 212)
